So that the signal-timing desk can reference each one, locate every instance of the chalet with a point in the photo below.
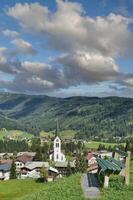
(32, 169)
(5, 171)
(23, 158)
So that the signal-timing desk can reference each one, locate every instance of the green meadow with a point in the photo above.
(95, 145)
(15, 134)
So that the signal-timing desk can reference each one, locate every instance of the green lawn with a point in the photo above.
(63, 189)
(13, 189)
(95, 145)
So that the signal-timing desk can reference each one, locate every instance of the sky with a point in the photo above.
(67, 47)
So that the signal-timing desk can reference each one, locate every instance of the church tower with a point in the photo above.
(57, 155)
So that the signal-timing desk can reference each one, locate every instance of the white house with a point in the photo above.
(32, 169)
(57, 155)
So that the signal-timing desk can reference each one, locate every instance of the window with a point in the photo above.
(57, 145)
(57, 156)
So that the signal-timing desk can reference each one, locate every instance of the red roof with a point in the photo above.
(25, 158)
(89, 156)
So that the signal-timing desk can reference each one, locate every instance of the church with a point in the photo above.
(57, 155)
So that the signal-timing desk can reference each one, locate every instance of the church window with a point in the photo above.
(57, 156)
(57, 145)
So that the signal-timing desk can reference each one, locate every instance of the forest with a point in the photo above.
(88, 116)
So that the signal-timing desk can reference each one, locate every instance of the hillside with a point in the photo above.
(86, 115)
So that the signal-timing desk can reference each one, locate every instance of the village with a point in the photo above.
(100, 163)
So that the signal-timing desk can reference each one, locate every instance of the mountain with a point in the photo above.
(87, 115)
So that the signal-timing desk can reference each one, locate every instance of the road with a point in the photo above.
(90, 186)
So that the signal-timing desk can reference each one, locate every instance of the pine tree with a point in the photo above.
(13, 171)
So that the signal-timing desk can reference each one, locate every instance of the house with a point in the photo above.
(92, 163)
(5, 171)
(90, 159)
(32, 169)
(23, 158)
(62, 166)
(57, 155)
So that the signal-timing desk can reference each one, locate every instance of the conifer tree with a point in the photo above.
(13, 171)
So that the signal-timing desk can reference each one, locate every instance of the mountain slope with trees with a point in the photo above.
(87, 115)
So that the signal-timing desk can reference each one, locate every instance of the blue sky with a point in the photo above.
(66, 48)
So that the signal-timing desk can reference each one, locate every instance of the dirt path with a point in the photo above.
(90, 186)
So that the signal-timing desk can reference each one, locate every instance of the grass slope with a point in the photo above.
(15, 134)
(64, 189)
(13, 189)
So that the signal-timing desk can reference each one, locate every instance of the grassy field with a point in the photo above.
(95, 145)
(15, 134)
(13, 189)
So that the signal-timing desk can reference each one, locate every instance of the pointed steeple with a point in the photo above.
(57, 127)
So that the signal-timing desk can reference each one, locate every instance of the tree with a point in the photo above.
(44, 173)
(13, 171)
(69, 170)
(80, 165)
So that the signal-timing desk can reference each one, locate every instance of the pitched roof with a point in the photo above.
(5, 161)
(53, 170)
(89, 156)
(36, 164)
(5, 167)
(32, 154)
(24, 158)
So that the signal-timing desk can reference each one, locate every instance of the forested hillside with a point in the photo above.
(87, 115)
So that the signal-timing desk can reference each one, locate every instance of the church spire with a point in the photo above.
(57, 127)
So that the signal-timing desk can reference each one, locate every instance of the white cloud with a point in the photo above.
(89, 68)
(69, 29)
(2, 56)
(87, 46)
(10, 33)
(23, 47)
(128, 81)
(34, 66)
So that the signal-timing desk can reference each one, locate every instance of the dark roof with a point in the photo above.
(5, 167)
(107, 165)
(25, 158)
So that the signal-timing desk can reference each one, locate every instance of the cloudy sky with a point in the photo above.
(66, 48)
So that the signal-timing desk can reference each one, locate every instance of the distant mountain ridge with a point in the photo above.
(87, 115)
